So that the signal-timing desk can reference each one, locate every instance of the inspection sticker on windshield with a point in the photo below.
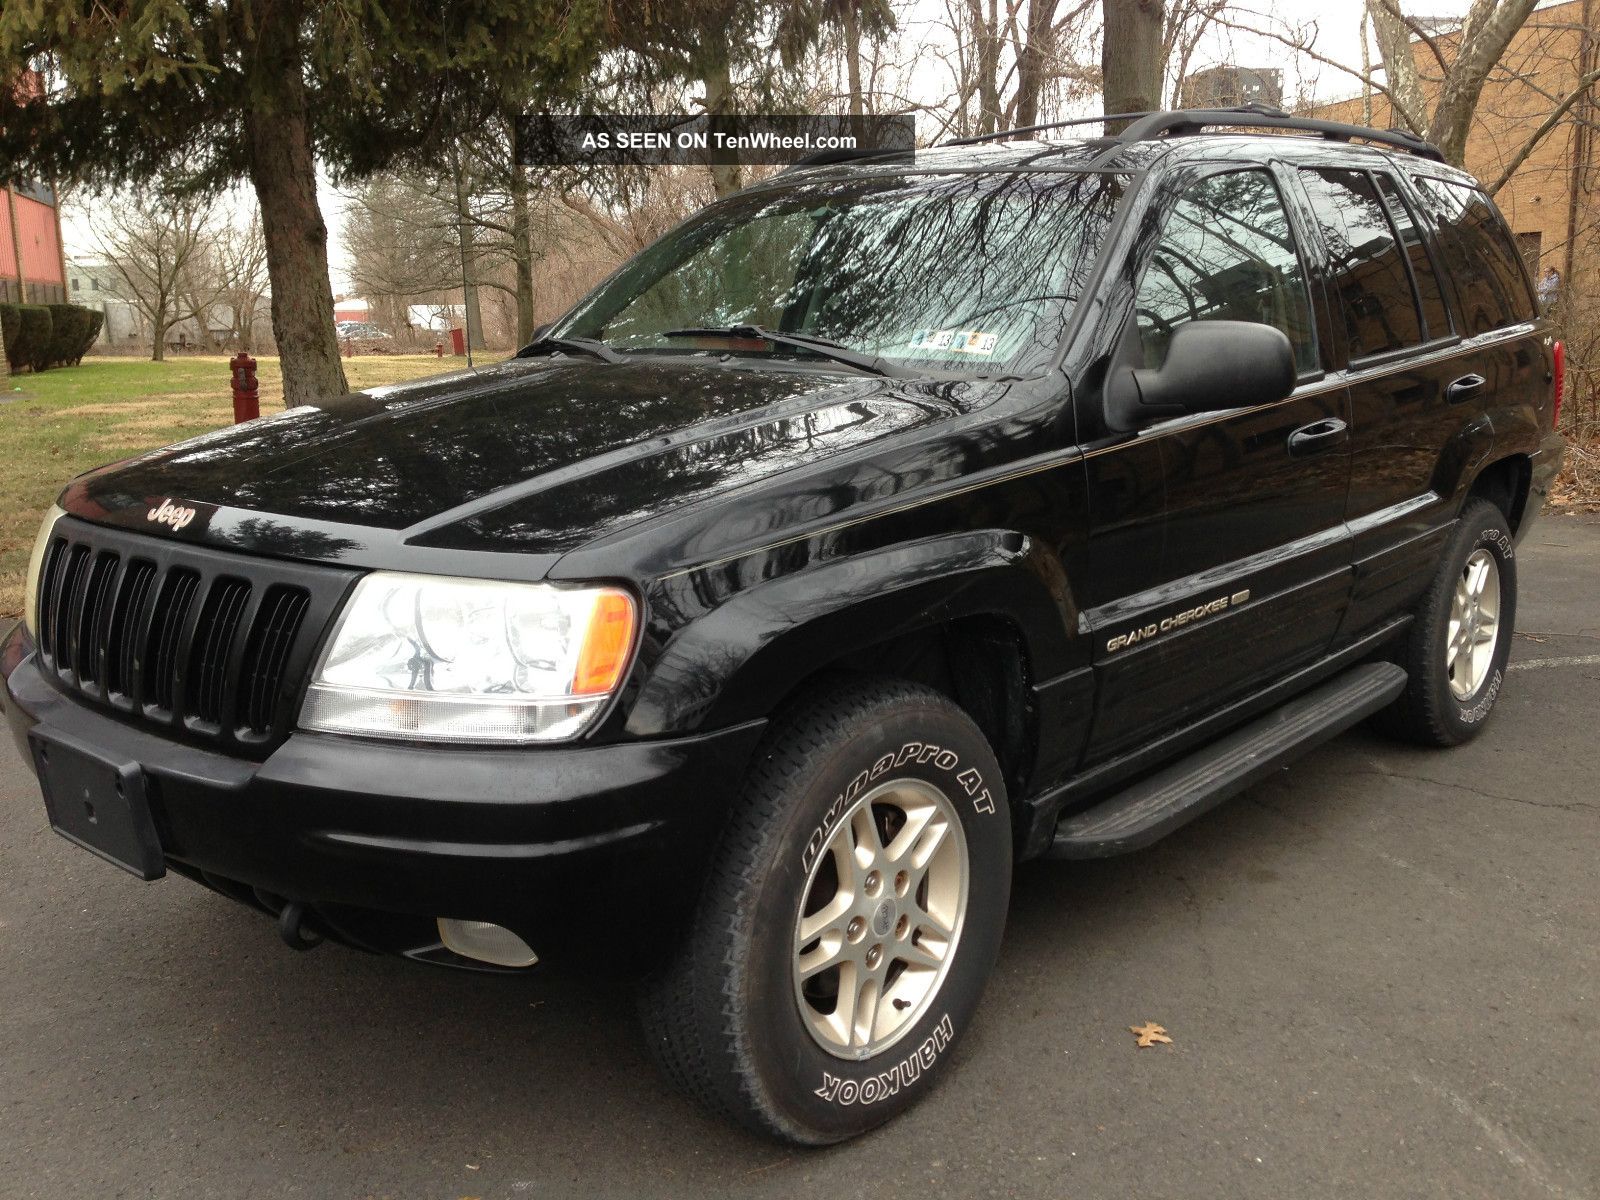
(956, 341)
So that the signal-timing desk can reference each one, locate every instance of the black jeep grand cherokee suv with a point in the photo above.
(884, 524)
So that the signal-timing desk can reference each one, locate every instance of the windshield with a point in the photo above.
(966, 273)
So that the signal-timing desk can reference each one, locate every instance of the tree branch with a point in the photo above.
(1584, 84)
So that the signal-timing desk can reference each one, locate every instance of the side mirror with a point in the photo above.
(1211, 366)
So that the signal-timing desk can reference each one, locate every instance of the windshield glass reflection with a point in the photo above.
(955, 273)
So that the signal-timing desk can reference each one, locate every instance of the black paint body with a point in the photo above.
(778, 523)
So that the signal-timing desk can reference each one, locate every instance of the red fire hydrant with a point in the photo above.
(438, 349)
(246, 388)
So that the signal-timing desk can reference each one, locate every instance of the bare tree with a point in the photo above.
(1188, 22)
(152, 241)
(1011, 59)
(1433, 73)
(240, 258)
(1484, 35)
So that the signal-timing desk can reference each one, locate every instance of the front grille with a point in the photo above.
(209, 645)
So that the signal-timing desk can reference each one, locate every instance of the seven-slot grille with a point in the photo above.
(211, 645)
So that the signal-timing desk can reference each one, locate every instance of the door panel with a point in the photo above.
(1423, 425)
(1251, 572)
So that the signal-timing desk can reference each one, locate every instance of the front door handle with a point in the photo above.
(1317, 437)
(1464, 388)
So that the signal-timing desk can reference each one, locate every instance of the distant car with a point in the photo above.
(352, 331)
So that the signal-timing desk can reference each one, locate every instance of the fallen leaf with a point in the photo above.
(1149, 1034)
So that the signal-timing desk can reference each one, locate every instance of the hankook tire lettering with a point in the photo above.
(921, 753)
(888, 1083)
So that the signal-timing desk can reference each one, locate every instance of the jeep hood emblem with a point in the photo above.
(168, 513)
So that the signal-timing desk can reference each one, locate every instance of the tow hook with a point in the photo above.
(292, 928)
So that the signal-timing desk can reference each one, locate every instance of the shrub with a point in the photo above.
(33, 337)
(68, 324)
(97, 320)
(10, 331)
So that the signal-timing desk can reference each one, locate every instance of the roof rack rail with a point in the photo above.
(1181, 122)
(1005, 133)
(823, 158)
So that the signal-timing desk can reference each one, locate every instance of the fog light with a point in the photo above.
(486, 942)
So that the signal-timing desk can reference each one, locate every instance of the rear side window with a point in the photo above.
(1490, 281)
(1226, 254)
(1365, 262)
(1435, 317)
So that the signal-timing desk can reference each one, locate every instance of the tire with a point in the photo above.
(1448, 699)
(728, 1019)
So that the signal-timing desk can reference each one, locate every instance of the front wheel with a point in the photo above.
(849, 922)
(1456, 651)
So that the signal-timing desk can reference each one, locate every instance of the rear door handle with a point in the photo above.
(1317, 437)
(1464, 388)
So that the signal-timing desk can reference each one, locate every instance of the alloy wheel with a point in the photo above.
(1474, 624)
(880, 917)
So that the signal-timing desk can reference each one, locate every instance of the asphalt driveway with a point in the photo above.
(1380, 971)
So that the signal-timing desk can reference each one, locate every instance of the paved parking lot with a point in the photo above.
(1380, 971)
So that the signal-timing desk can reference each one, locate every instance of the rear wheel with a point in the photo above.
(849, 922)
(1458, 646)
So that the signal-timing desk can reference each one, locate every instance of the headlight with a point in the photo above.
(30, 599)
(466, 660)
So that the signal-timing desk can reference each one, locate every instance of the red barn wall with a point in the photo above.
(8, 256)
(41, 252)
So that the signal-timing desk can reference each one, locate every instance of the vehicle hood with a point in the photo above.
(528, 457)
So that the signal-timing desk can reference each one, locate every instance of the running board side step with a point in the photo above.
(1177, 794)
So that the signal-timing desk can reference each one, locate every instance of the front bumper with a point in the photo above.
(575, 848)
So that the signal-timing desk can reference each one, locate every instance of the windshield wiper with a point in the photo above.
(801, 341)
(583, 345)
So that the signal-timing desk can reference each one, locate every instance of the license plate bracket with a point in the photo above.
(97, 803)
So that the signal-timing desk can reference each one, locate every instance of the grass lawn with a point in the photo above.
(61, 422)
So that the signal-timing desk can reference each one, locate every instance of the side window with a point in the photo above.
(1227, 253)
(1489, 277)
(1365, 263)
(1435, 317)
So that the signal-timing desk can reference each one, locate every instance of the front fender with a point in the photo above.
(742, 658)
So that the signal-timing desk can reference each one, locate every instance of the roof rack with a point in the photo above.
(1005, 133)
(823, 158)
(1147, 126)
(1259, 116)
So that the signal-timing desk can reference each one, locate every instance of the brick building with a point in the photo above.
(1227, 85)
(1552, 199)
(32, 266)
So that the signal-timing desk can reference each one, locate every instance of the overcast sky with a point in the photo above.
(1337, 26)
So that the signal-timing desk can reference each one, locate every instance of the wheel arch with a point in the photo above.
(1505, 482)
(978, 616)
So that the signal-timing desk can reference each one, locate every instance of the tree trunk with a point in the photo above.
(469, 273)
(1032, 60)
(1483, 44)
(1404, 81)
(522, 252)
(726, 178)
(852, 56)
(1130, 58)
(984, 38)
(1488, 30)
(283, 171)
